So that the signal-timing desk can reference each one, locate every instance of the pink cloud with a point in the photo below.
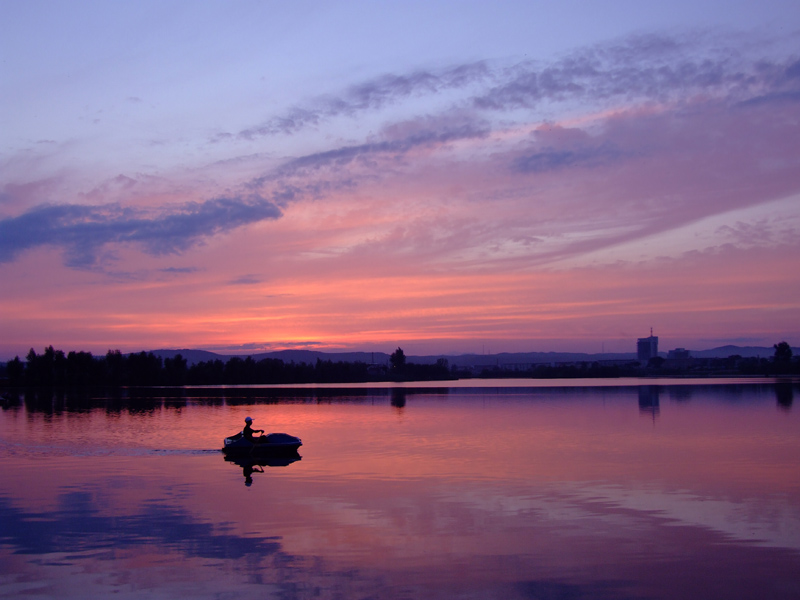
(442, 229)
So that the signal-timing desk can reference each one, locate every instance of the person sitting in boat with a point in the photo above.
(248, 431)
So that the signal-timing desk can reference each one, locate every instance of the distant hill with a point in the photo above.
(743, 351)
(311, 356)
(298, 356)
(461, 360)
(192, 356)
(525, 358)
(382, 358)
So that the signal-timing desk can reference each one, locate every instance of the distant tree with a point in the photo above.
(234, 371)
(47, 369)
(31, 367)
(783, 353)
(207, 373)
(175, 370)
(82, 368)
(59, 368)
(115, 367)
(15, 370)
(144, 368)
(398, 359)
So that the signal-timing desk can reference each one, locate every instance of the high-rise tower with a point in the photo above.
(647, 348)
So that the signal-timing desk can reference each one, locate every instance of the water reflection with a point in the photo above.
(681, 393)
(399, 397)
(80, 523)
(497, 492)
(57, 401)
(648, 399)
(784, 394)
(252, 465)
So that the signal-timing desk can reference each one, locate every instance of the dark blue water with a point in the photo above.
(622, 491)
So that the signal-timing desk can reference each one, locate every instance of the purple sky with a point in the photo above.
(519, 176)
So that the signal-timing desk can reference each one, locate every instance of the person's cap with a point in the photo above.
(247, 419)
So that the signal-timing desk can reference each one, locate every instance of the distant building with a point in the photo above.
(647, 348)
(678, 354)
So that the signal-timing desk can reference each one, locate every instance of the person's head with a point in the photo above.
(248, 420)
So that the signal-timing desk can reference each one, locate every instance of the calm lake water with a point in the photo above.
(612, 490)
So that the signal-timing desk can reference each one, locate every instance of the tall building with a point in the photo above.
(647, 348)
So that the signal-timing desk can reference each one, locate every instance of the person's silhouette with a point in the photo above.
(247, 470)
(248, 431)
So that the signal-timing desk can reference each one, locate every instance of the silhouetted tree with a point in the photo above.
(783, 353)
(115, 367)
(234, 370)
(175, 370)
(82, 368)
(398, 359)
(15, 370)
(41, 369)
(144, 369)
(272, 370)
(30, 367)
(397, 364)
(207, 373)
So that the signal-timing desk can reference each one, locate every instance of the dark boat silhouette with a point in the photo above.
(272, 444)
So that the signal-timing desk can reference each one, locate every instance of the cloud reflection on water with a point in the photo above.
(495, 492)
(80, 524)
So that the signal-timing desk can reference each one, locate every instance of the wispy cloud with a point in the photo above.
(179, 270)
(82, 230)
(679, 74)
(246, 280)
(345, 167)
(654, 67)
(426, 136)
(370, 95)
(269, 346)
(760, 233)
(550, 159)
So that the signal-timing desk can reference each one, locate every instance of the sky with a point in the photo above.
(446, 177)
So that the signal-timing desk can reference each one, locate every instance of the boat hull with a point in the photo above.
(267, 445)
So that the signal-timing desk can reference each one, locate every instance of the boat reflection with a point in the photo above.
(251, 464)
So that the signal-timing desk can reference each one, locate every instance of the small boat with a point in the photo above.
(270, 444)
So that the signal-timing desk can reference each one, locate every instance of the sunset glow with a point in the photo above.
(358, 176)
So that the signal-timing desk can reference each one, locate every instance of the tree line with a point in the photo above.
(55, 368)
(77, 369)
